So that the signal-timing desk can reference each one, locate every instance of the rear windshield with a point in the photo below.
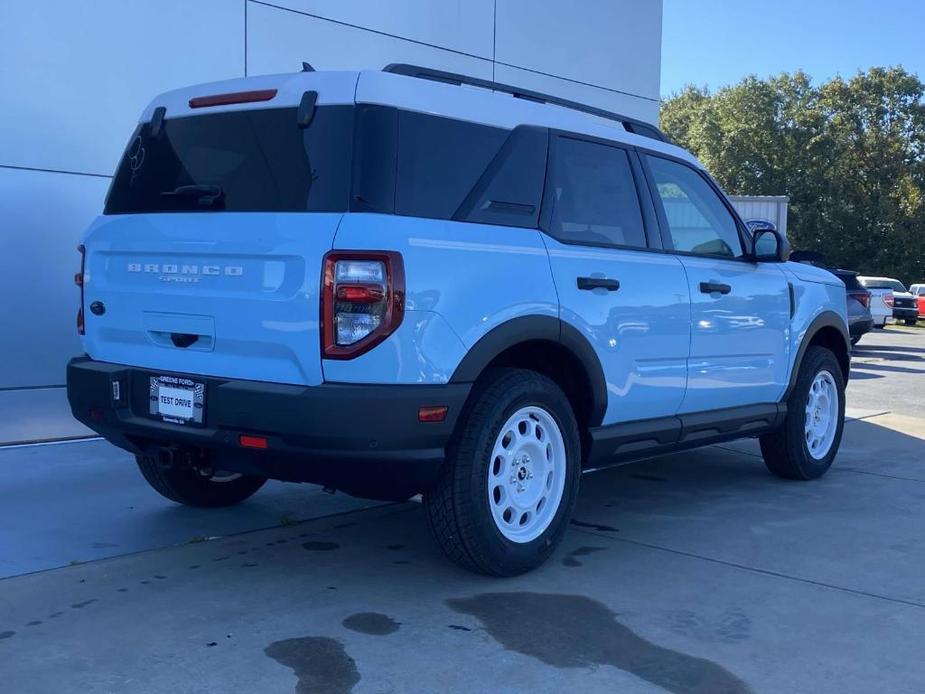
(239, 161)
(365, 158)
(895, 285)
(850, 279)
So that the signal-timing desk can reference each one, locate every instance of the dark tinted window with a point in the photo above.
(440, 161)
(883, 283)
(375, 152)
(254, 160)
(510, 190)
(698, 221)
(592, 195)
(849, 278)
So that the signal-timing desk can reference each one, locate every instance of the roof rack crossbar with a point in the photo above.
(632, 125)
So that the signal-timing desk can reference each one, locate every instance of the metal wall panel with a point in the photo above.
(460, 25)
(606, 43)
(278, 41)
(76, 75)
(770, 207)
(644, 109)
(43, 216)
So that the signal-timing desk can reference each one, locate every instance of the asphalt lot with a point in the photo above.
(696, 572)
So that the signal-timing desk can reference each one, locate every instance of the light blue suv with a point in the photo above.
(408, 281)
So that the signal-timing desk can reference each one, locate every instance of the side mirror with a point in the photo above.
(768, 246)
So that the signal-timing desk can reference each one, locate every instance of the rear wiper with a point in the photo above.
(207, 195)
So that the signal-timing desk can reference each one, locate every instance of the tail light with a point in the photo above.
(362, 301)
(863, 298)
(79, 281)
(888, 300)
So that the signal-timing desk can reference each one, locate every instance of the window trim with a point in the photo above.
(647, 215)
(664, 229)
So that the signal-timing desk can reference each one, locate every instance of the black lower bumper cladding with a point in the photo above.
(363, 439)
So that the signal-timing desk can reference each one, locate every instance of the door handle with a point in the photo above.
(590, 283)
(714, 288)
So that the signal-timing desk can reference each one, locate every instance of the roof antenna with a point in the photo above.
(307, 67)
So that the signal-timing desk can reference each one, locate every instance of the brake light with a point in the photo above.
(888, 300)
(362, 301)
(232, 98)
(79, 281)
(863, 298)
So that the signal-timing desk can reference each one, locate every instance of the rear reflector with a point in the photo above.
(232, 98)
(432, 414)
(252, 441)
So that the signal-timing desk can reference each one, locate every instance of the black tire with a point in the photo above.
(785, 451)
(911, 321)
(185, 485)
(457, 507)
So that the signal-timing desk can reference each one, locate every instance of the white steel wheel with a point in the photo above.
(526, 474)
(822, 415)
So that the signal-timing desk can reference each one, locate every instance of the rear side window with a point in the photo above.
(698, 221)
(592, 196)
(873, 283)
(239, 161)
(440, 160)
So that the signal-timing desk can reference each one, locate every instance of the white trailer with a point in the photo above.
(770, 208)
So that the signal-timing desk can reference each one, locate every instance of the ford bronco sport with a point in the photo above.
(405, 281)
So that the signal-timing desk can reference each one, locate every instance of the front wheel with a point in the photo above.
(506, 494)
(805, 446)
(186, 485)
(911, 321)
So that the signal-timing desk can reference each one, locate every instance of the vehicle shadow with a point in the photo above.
(884, 367)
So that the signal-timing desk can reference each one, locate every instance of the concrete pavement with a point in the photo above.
(696, 572)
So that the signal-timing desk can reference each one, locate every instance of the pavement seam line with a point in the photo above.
(217, 538)
(752, 569)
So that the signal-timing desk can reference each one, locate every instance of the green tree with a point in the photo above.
(849, 153)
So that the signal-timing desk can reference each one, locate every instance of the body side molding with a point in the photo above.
(626, 442)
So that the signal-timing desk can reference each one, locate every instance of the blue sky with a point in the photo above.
(717, 42)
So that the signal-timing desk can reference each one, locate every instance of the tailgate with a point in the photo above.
(230, 295)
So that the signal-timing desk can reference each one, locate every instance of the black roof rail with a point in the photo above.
(632, 125)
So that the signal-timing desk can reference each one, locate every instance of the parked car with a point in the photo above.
(897, 301)
(389, 283)
(859, 318)
(918, 291)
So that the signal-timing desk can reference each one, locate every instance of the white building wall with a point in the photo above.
(74, 77)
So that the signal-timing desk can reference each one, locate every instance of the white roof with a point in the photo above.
(468, 103)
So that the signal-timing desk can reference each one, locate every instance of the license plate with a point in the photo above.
(177, 400)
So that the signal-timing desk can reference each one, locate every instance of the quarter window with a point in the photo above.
(439, 162)
(698, 221)
(593, 196)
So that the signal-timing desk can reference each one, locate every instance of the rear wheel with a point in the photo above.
(911, 321)
(805, 446)
(511, 477)
(187, 485)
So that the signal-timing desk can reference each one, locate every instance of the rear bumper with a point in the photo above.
(906, 312)
(859, 327)
(363, 439)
